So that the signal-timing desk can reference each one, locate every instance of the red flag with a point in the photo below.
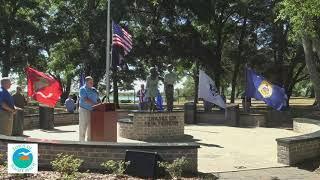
(43, 88)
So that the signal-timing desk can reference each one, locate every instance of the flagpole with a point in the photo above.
(108, 53)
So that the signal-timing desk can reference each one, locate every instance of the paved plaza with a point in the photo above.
(249, 153)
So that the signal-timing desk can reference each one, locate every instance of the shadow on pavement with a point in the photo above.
(56, 131)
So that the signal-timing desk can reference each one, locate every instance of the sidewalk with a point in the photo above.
(282, 173)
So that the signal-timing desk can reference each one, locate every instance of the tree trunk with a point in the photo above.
(115, 90)
(66, 91)
(218, 68)
(280, 44)
(236, 67)
(307, 92)
(115, 85)
(312, 94)
(90, 44)
(196, 88)
(7, 54)
(316, 46)
(311, 66)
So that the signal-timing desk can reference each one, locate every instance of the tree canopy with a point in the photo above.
(67, 38)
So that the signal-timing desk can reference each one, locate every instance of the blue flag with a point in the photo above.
(82, 80)
(259, 88)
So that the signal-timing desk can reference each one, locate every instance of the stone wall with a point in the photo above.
(293, 150)
(148, 126)
(94, 153)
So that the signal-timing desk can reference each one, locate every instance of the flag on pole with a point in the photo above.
(122, 38)
(42, 87)
(259, 88)
(208, 91)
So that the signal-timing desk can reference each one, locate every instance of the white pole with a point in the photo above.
(108, 53)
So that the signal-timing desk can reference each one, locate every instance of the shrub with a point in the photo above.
(176, 168)
(115, 167)
(67, 166)
(2, 162)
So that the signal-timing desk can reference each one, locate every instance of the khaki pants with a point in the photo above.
(6, 122)
(84, 124)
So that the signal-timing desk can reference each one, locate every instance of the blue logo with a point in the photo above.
(22, 158)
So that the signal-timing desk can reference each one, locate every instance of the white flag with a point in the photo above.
(208, 91)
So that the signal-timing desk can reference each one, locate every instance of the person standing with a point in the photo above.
(76, 102)
(19, 99)
(7, 108)
(70, 104)
(88, 98)
(152, 88)
(141, 94)
(169, 80)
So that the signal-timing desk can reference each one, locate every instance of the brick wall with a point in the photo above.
(60, 119)
(94, 153)
(293, 150)
(214, 117)
(276, 118)
(252, 120)
(147, 126)
(304, 125)
(296, 149)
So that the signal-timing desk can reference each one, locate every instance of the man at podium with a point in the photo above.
(88, 98)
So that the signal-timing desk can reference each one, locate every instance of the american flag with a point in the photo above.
(122, 38)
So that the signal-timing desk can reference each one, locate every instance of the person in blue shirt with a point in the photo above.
(7, 108)
(88, 98)
(70, 104)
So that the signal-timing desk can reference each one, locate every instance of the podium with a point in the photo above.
(104, 123)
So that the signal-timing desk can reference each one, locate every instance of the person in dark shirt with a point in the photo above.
(19, 99)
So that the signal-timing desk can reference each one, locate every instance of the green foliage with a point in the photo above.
(66, 37)
(176, 168)
(67, 166)
(303, 15)
(115, 167)
(188, 88)
(1, 159)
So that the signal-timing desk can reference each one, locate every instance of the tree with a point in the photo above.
(22, 34)
(304, 16)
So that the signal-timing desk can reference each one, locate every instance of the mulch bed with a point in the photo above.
(51, 175)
